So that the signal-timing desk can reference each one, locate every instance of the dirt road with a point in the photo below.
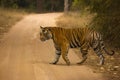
(24, 57)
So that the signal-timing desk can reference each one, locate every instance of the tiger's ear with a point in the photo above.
(41, 27)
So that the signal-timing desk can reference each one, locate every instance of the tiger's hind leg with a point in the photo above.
(99, 54)
(97, 46)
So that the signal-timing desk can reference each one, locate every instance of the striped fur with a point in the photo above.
(82, 38)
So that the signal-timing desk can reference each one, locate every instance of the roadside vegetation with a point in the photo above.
(8, 17)
(104, 17)
(111, 68)
(11, 11)
(75, 19)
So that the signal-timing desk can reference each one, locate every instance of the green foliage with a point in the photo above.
(47, 5)
(109, 26)
(31, 4)
(107, 20)
(77, 4)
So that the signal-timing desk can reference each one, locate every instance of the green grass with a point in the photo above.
(8, 17)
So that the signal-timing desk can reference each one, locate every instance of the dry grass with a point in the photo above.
(74, 19)
(9, 17)
(111, 69)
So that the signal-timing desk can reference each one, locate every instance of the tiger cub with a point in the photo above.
(82, 38)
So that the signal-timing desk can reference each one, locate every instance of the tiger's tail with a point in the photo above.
(109, 53)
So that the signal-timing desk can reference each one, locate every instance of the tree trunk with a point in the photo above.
(66, 5)
(52, 5)
(39, 5)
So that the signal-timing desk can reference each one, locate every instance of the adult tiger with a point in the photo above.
(82, 38)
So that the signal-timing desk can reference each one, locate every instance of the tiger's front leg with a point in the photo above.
(64, 52)
(57, 56)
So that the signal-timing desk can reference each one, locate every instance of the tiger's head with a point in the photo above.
(45, 33)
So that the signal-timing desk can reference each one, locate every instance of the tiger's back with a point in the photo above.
(74, 36)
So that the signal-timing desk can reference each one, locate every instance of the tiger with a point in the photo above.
(66, 38)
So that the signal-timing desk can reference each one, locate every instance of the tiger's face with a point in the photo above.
(45, 34)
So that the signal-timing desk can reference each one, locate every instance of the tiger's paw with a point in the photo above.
(79, 63)
(68, 64)
(100, 64)
(52, 63)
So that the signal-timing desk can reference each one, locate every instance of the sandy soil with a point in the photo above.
(24, 57)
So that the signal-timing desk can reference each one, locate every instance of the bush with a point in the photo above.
(107, 20)
(109, 26)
